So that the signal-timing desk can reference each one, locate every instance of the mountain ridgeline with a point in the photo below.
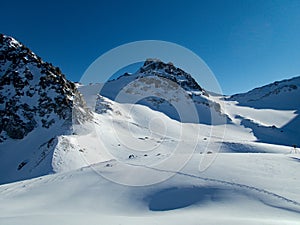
(166, 88)
(33, 93)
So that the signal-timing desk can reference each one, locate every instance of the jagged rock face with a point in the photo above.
(175, 74)
(32, 92)
(155, 68)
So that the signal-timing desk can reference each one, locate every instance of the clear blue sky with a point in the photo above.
(246, 43)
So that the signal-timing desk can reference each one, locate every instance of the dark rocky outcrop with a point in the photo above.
(33, 93)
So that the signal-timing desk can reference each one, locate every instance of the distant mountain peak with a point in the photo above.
(161, 86)
(152, 63)
(7, 41)
(273, 95)
(156, 67)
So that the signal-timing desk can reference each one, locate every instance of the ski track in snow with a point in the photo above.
(30, 183)
(252, 188)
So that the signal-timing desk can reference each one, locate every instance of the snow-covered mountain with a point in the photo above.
(237, 159)
(280, 95)
(271, 112)
(37, 103)
(168, 89)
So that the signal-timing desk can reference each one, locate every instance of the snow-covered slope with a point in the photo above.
(237, 189)
(282, 95)
(168, 89)
(271, 112)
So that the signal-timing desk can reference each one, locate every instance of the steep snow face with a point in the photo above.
(37, 103)
(168, 89)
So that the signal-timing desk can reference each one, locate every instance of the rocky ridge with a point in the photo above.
(33, 93)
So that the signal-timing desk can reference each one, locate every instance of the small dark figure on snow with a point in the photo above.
(294, 148)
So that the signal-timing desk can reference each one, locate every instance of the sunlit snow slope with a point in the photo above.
(128, 163)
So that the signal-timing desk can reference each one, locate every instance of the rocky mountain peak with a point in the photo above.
(162, 86)
(33, 93)
(173, 73)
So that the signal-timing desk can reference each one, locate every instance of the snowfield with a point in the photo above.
(228, 177)
(238, 188)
